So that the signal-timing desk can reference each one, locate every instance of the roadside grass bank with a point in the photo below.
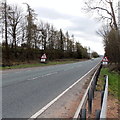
(113, 82)
(113, 102)
(39, 64)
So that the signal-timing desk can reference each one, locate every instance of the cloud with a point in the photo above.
(84, 24)
(67, 15)
(83, 28)
(51, 13)
(68, 22)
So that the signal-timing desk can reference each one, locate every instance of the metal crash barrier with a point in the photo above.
(103, 112)
(88, 98)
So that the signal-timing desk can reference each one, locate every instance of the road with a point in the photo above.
(25, 91)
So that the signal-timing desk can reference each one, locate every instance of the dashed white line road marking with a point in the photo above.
(28, 70)
(18, 72)
(42, 76)
(4, 73)
(23, 71)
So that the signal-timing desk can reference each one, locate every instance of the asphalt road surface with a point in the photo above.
(25, 91)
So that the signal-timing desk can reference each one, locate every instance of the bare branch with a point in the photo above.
(93, 8)
(107, 1)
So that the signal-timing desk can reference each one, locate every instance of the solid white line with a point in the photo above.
(54, 100)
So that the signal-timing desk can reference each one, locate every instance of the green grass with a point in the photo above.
(113, 81)
(38, 64)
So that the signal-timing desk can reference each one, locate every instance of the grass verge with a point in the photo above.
(113, 82)
(38, 64)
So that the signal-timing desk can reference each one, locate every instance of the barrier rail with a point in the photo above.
(101, 114)
(88, 97)
(104, 99)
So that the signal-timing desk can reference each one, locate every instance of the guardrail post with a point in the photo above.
(102, 95)
(83, 114)
(88, 97)
(104, 82)
(98, 72)
(97, 115)
(95, 81)
(94, 86)
(90, 101)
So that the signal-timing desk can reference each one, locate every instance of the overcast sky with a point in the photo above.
(67, 15)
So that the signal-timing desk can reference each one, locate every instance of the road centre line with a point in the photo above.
(42, 76)
(4, 74)
(38, 113)
(50, 73)
(18, 72)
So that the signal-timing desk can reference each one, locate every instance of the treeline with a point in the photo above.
(111, 38)
(112, 46)
(24, 38)
(111, 30)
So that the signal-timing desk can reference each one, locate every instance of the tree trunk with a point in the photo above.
(6, 40)
(113, 16)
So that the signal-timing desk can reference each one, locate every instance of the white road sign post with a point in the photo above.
(105, 61)
(43, 58)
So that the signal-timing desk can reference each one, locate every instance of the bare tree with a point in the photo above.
(36, 37)
(14, 21)
(111, 40)
(51, 38)
(67, 40)
(31, 16)
(44, 35)
(61, 42)
(23, 31)
(4, 18)
(105, 10)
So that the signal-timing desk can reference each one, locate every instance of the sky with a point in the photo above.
(68, 16)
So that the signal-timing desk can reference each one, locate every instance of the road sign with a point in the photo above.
(43, 58)
(105, 61)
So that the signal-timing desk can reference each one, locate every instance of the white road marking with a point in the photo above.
(71, 68)
(54, 100)
(23, 71)
(28, 70)
(4, 73)
(42, 76)
(18, 72)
